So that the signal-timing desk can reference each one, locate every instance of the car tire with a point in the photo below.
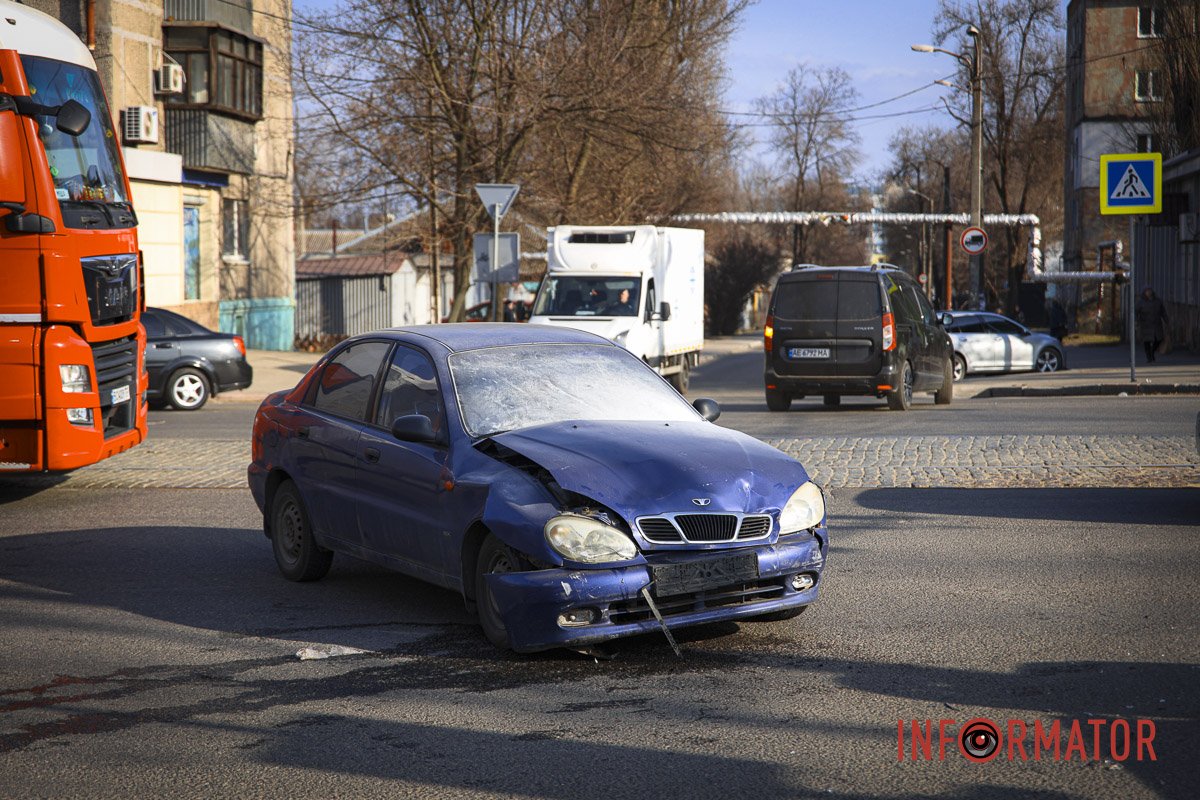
(681, 379)
(832, 399)
(779, 616)
(959, 368)
(778, 401)
(187, 389)
(900, 398)
(494, 557)
(1049, 360)
(296, 551)
(943, 396)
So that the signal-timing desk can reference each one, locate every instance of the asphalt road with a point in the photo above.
(150, 648)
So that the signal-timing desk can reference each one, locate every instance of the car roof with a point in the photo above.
(809, 269)
(456, 337)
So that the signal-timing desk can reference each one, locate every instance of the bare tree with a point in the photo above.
(741, 263)
(1175, 58)
(1023, 56)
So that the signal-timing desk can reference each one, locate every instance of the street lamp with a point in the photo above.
(926, 248)
(974, 65)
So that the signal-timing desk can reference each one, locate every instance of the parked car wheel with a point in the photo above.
(943, 396)
(779, 616)
(900, 398)
(1049, 360)
(778, 401)
(832, 399)
(960, 367)
(681, 379)
(494, 557)
(296, 552)
(187, 389)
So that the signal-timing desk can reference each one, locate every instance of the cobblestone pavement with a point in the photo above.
(833, 461)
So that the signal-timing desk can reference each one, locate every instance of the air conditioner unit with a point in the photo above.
(139, 124)
(168, 79)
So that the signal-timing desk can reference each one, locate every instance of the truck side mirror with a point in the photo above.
(12, 173)
(73, 118)
(664, 311)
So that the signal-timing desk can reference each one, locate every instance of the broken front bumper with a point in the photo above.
(549, 608)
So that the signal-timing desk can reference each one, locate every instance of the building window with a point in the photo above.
(1146, 85)
(1147, 143)
(223, 69)
(1149, 23)
(235, 229)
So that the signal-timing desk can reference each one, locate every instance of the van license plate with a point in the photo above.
(808, 352)
(120, 395)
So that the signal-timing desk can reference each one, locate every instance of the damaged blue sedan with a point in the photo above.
(554, 480)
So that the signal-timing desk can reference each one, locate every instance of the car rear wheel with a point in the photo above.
(832, 399)
(778, 401)
(900, 398)
(1049, 360)
(494, 558)
(779, 616)
(943, 396)
(960, 367)
(296, 551)
(187, 389)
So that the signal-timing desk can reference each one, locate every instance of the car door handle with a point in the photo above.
(302, 432)
(163, 345)
(371, 455)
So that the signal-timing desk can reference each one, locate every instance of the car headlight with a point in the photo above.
(588, 541)
(75, 377)
(621, 338)
(805, 509)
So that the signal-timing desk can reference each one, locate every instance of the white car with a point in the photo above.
(987, 342)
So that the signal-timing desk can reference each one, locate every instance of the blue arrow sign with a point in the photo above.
(1131, 183)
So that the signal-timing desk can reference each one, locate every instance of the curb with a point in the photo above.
(1097, 389)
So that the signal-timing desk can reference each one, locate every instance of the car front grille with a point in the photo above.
(116, 365)
(703, 528)
(741, 594)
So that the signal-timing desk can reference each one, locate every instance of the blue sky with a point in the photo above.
(868, 38)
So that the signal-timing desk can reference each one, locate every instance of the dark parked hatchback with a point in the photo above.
(834, 331)
(188, 363)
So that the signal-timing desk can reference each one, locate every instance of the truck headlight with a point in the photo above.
(79, 416)
(75, 377)
(805, 509)
(588, 541)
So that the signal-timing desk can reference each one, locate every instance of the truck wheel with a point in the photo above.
(943, 396)
(900, 398)
(778, 401)
(296, 552)
(681, 379)
(187, 389)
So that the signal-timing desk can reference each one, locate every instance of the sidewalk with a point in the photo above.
(1091, 370)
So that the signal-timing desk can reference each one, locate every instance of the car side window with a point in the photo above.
(922, 304)
(970, 325)
(903, 306)
(409, 387)
(1006, 326)
(348, 380)
(651, 300)
(154, 325)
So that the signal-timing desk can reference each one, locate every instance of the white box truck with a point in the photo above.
(639, 285)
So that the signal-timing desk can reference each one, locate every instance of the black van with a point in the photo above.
(854, 330)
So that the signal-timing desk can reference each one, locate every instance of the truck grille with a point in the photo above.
(703, 528)
(116, 366)
(741, 594)
(111, 285)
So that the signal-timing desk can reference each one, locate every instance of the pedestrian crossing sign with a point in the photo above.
(1131, 183)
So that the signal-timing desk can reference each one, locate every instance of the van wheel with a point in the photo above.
(833, 399)
(900, 398)
(943, 396)
(778, 401)
(681, 379)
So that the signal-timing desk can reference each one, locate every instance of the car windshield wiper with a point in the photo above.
(91, 204)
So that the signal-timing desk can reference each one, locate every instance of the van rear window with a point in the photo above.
(806, 300)
(859, 300)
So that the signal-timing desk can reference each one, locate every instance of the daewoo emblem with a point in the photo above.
(701, 501)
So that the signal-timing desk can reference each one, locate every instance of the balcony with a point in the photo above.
(232, 14)
(211, 142)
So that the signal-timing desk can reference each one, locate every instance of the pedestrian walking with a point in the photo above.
(1151, 317)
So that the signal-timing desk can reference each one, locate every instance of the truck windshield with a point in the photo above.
(588, 296)
(86, 169)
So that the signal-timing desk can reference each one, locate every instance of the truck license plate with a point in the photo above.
(709, 573)
(120, 394)
(808, 352)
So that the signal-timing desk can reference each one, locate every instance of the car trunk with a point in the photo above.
(828, 324)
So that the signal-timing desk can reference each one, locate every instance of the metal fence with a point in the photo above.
(338, 306)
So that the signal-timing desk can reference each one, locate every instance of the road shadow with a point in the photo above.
(1115, 505)
(15, 487)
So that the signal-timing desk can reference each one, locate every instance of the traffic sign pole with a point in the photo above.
(496, 264)
(1132, 302)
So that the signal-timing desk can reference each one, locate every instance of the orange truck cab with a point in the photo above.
(72, 374)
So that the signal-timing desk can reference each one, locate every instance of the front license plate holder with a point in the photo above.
(707, 573)
(120, 395)
(808, 352)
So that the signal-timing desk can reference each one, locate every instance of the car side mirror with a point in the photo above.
(72, 118)
(664, 311)
(707, 407)
(415, 428)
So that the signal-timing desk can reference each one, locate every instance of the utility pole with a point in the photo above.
(948, 297)
(976, 162)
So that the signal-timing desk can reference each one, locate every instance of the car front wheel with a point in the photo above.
(960, 368)
(494, 558)
(1049, 360)
(187, 389)
(296, 551)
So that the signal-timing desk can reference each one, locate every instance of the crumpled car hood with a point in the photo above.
(641, 468)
